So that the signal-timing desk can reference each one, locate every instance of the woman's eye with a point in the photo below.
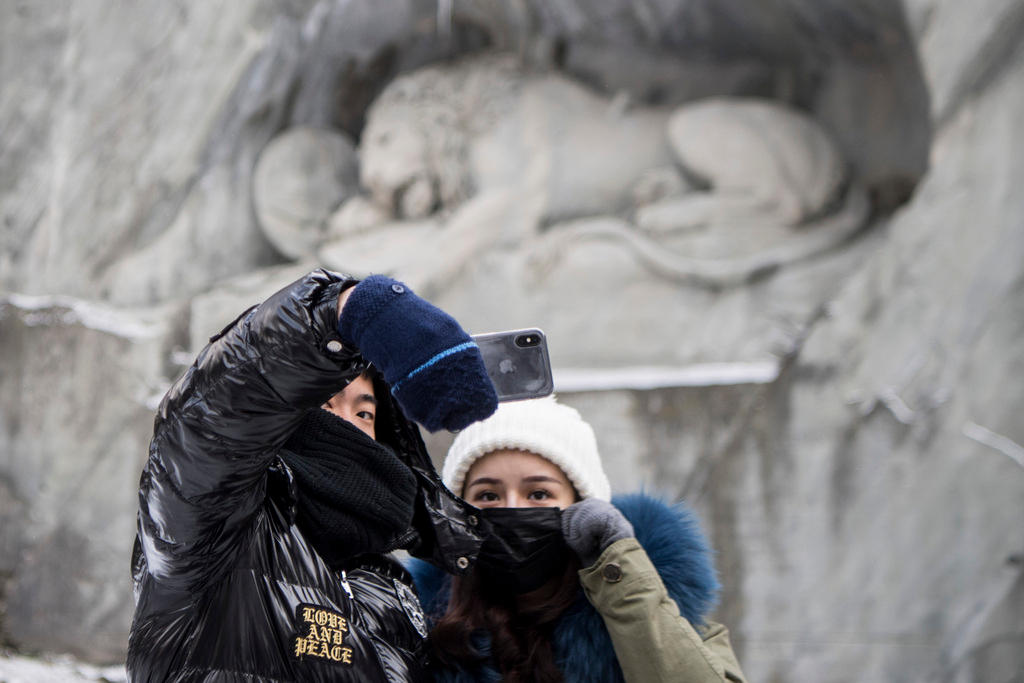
(365, 415)
(486, 496)
(539, 494)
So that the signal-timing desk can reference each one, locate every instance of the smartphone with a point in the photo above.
(517, 362)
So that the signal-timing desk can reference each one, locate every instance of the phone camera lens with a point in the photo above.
(527, 340)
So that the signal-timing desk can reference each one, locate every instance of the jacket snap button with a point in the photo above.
(397, 289)
(472, 520)
(334, 346)
(612, 572)
(462, 563)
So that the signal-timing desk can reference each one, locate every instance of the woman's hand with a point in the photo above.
(591, 525)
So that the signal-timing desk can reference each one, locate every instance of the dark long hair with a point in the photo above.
(520, 626)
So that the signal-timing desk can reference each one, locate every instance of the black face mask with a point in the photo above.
(525, 549)
(355, 495)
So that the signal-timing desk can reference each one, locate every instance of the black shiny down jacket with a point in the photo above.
(226, 586)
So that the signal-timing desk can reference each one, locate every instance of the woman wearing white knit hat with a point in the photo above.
(570, 585)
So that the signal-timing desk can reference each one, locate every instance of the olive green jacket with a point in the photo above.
(652, 641)
(636, 620)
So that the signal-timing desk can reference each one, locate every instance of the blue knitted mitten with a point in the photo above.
(433, 366)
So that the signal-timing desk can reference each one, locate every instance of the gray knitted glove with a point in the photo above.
(592, 525)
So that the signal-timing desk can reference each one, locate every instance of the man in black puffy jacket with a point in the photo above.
(282, 470)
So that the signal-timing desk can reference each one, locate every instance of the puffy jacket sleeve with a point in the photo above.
(652, 641)
(221, 424)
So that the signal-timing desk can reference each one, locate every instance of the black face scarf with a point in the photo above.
(354, 495)
(525, 549)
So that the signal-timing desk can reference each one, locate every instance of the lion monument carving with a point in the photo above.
(458, 158)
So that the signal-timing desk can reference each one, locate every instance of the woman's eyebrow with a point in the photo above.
(484, 480)
(366, 398)
(543, 477)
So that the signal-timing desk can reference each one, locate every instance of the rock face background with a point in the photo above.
(846, 425)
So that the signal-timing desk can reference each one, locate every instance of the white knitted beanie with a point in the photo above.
(542, 426)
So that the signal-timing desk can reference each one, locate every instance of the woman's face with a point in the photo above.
(517, 479)
(357, 404)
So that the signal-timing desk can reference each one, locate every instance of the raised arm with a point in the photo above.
(220, 425)
(653, 641)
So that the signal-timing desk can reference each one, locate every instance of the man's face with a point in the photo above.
(357, 404)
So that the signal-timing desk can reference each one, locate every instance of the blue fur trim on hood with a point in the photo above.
(678, 549)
